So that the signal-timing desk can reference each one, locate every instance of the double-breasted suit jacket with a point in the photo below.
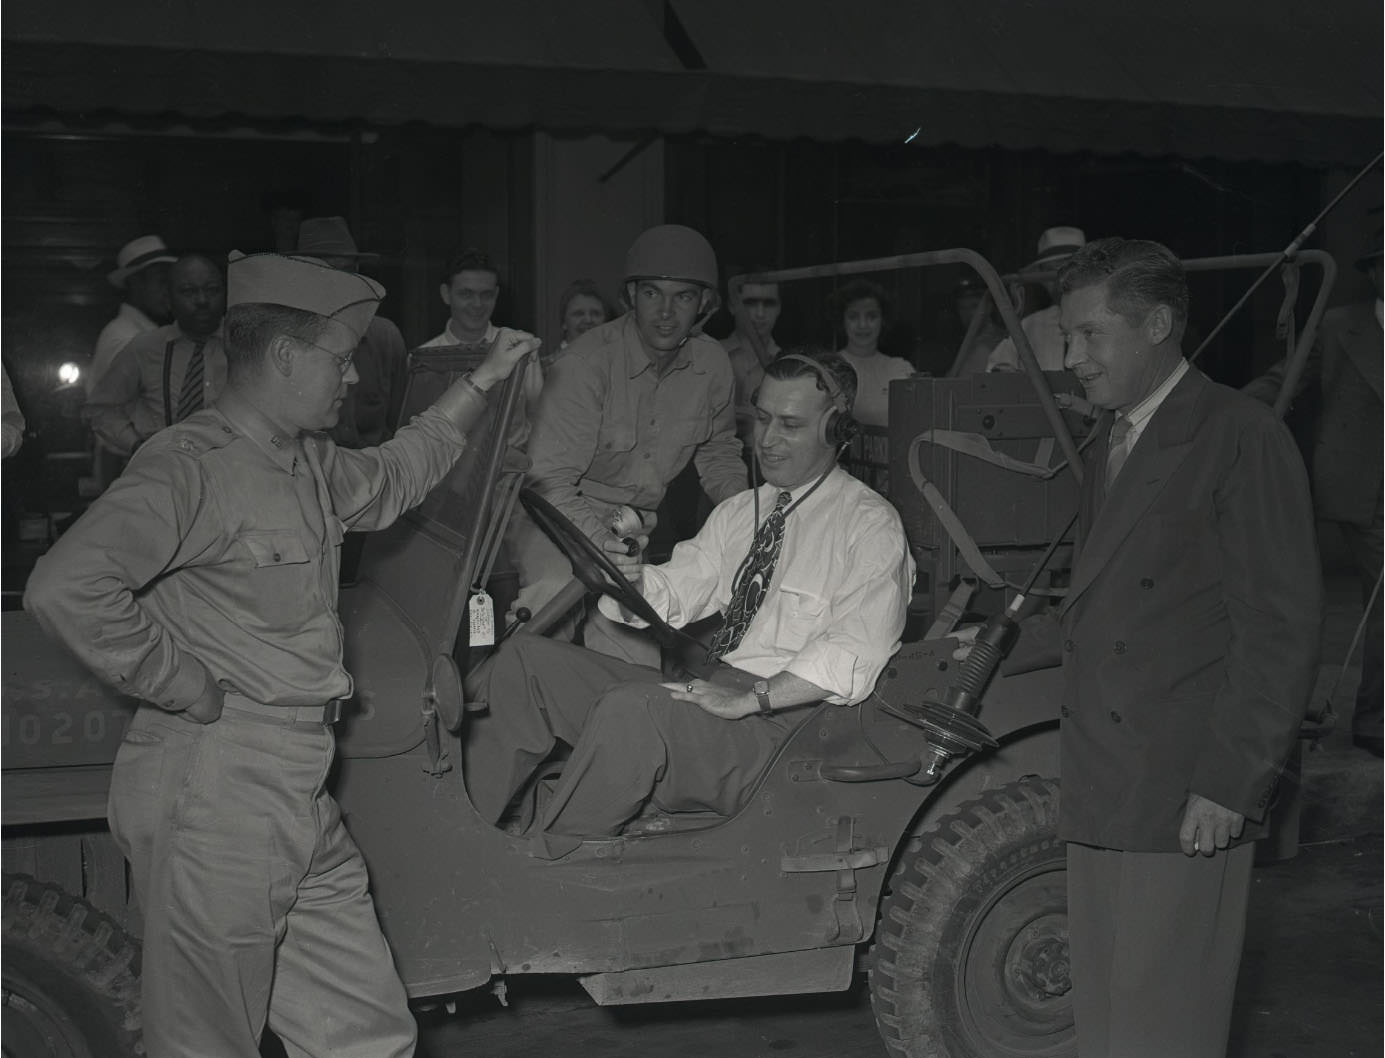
(1189, 633)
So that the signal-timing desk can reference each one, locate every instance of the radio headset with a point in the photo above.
(839, 429)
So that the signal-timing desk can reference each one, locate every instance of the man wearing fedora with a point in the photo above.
(370, 413)
(141, 275)
(203, 582)
(1056, 245)
(1347, 466)
(164, 375)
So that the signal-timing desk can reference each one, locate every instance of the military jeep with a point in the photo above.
(904, 833)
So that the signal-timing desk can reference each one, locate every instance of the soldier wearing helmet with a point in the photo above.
(626, 406)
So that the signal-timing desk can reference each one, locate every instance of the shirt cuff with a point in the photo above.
(461, 404)
(186, 687)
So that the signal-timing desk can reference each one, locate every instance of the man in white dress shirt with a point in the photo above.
(812, 616)
(141, 275)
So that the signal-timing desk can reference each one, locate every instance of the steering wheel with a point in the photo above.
(592, 566)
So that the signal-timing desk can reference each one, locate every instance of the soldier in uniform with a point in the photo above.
(626, 407)
(204, 583)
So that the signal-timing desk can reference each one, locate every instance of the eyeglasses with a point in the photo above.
(343, 362)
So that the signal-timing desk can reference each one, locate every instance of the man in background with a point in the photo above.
(370, 413)
(1056, 245)
(164, 375)
(1347, 466)
(470, 289)
(755, 307)
(141, 275)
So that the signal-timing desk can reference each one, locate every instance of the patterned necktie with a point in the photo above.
(752, 581)
(1117, 450)
(190, 396)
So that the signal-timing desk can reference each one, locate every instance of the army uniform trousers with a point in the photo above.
(255, 897)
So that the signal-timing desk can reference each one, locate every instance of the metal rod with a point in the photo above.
(1284, 255)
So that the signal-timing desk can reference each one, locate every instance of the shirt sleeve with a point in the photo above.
(563, 444)
(155, 518)
(720, 467)
(865, 619)
(110, 406)
(372, 487)
(690, 585)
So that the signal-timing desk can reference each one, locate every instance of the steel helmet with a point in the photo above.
(672, 251)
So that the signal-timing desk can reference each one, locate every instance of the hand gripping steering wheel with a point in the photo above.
(592, 566)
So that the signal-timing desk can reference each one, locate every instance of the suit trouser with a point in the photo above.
(1366, 545)
(1155, 940)
(255, 897)
(630, 740)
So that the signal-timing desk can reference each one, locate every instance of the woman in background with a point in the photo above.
(864, 310)
(581, 308)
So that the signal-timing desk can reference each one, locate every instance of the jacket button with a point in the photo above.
(276, 557)
(1115, 717)
(1120, 646)
(1147, 582)
(1067, 646)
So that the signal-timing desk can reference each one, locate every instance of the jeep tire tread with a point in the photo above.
(71, 977)
(970, 957)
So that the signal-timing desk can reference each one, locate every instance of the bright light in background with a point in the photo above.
(910, 138)
(69, 373)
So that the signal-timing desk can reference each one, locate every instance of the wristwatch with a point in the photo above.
(761, 689)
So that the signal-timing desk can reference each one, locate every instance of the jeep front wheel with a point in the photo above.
(71, 984)
(971, 953)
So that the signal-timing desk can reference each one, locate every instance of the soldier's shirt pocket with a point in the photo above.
(275, 547)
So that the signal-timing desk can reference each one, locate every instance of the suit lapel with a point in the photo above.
(1361, 340)
(1165, 443)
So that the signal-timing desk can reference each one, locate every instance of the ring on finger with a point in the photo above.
(690, 688)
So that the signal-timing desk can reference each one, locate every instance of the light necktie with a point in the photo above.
(1117, 449)
(190, 396)
(752, 581)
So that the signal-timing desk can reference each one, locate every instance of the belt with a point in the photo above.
(285, 714)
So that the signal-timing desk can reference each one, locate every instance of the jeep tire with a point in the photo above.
(971, 952)
(71, 977)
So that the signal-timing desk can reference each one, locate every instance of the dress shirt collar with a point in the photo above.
(455, 339)
(182, 336)
(799, 494)
(1141, 413)
(248, 420)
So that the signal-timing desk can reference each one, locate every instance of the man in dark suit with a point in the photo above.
(1347, 464)
(1189, 637)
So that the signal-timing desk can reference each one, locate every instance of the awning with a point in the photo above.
(1270, 80)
